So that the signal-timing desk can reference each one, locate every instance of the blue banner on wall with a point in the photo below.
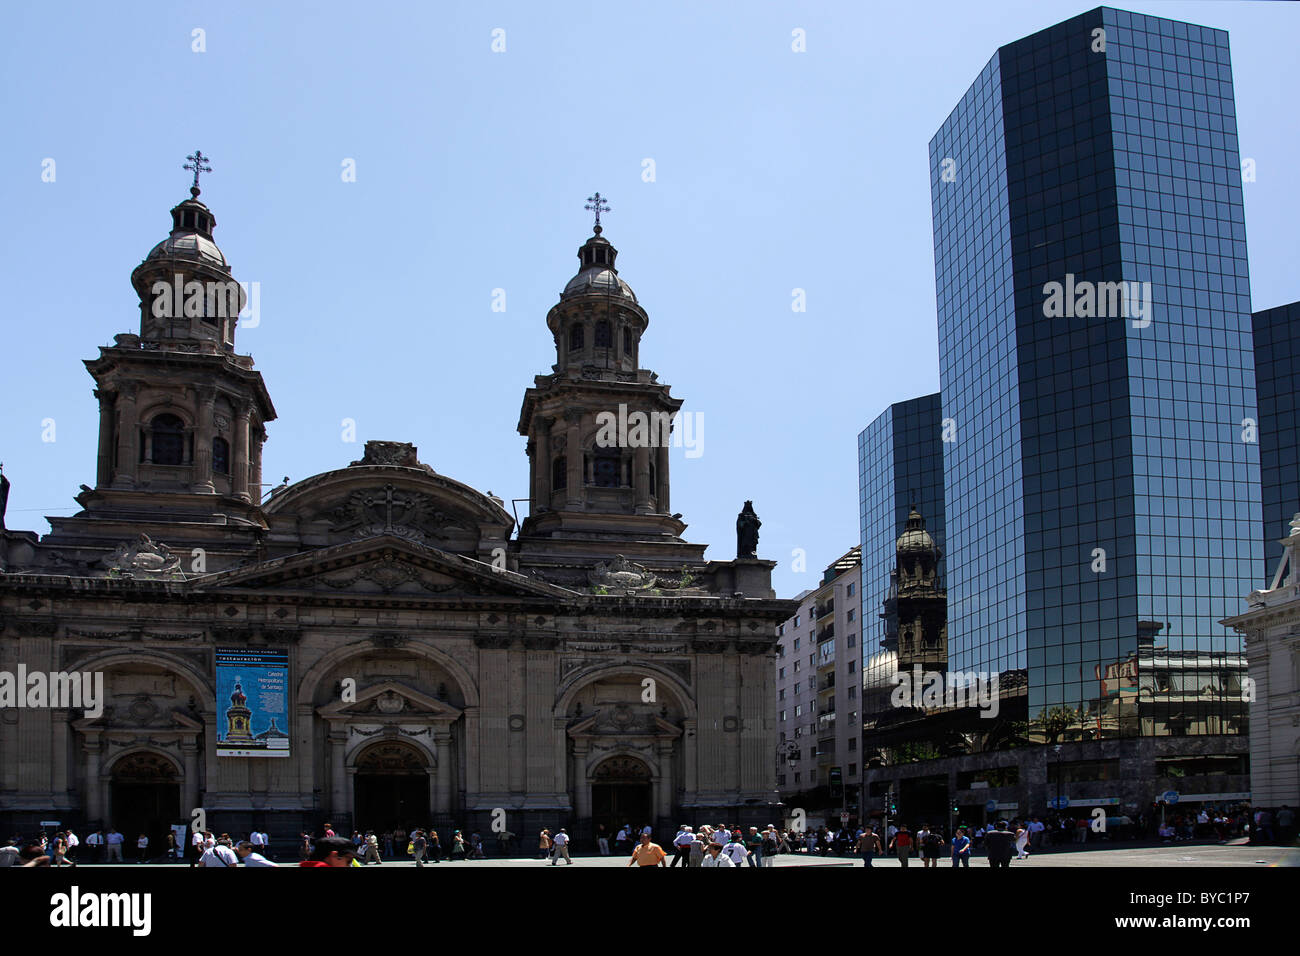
(252, 702)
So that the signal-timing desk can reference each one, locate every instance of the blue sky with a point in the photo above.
(774, 170)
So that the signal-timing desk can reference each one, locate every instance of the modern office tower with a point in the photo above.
(1277, 385)
(900, 468)
(1102, 496)
(818, 681)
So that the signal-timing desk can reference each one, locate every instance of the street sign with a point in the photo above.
(1059, 803)
(844, 818)
(991, 807)
(1169, 796)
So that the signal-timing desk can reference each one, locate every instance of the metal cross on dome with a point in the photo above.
(198, 159)
(596, 204)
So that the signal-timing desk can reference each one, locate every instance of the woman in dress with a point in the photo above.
(1022, 841)
(457, 846)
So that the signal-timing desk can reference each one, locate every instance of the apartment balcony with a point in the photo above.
(824, 609)
(826, 633)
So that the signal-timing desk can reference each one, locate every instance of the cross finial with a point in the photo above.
(597, 205)
(198, 159)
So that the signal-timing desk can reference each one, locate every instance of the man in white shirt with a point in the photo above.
(196, 847)
(682, 846)
(561, 843)
(73, 842)
(736, 851)
(249, 857)
(219, 855)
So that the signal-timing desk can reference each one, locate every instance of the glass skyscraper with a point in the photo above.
(1277, 343)
(1102, 494)
(900, 466)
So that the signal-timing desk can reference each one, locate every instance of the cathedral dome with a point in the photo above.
(600, 281)
(914, 537)
(191, 236)
(189, 245)
(597, 275)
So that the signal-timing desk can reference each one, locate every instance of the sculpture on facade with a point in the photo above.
(747, 525)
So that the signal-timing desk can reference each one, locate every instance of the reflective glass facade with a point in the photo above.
(1099, 476)
(1277, 346)
(900, 464)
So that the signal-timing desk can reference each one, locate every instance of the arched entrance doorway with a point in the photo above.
(146, 798)
(621, 793)
(391, 787)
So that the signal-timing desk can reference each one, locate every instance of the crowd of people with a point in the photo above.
(724, 845)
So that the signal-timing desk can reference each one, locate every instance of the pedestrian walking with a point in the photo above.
(114, 843)
(561, 843)
(1022, 842)
(419, 844)
(902, 846)
(961, 848)
(1000, 842)
(681, 846)
(868, 846)
(544, 844)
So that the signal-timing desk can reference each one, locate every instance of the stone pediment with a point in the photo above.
(390, 701)
(382, 566)
(624, 720)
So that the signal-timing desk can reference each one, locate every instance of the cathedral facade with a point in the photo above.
(377, 646)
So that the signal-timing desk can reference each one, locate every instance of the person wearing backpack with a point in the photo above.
(932, 845)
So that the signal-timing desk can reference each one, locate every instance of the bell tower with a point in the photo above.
(599, 427)
(181, 414)
(916, 610)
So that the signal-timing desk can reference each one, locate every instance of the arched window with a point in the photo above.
(603, 335)
(575, 338)
(559, 473)
(220, 456)
(168, 440)
(606, 474)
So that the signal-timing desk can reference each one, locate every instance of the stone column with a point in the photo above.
(204, 432)
(574, 493)
(239, 456)
(661, 481)
(104, 464)
(338, 774)
(128, 453)
(664, 783)
(94, 793)
(255, 478)
(689, 758)
(582, 786)
(442, 779)
(542, 456)
(190, 763)
(641, 479)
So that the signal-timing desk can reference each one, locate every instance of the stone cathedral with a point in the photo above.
(378, 645)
